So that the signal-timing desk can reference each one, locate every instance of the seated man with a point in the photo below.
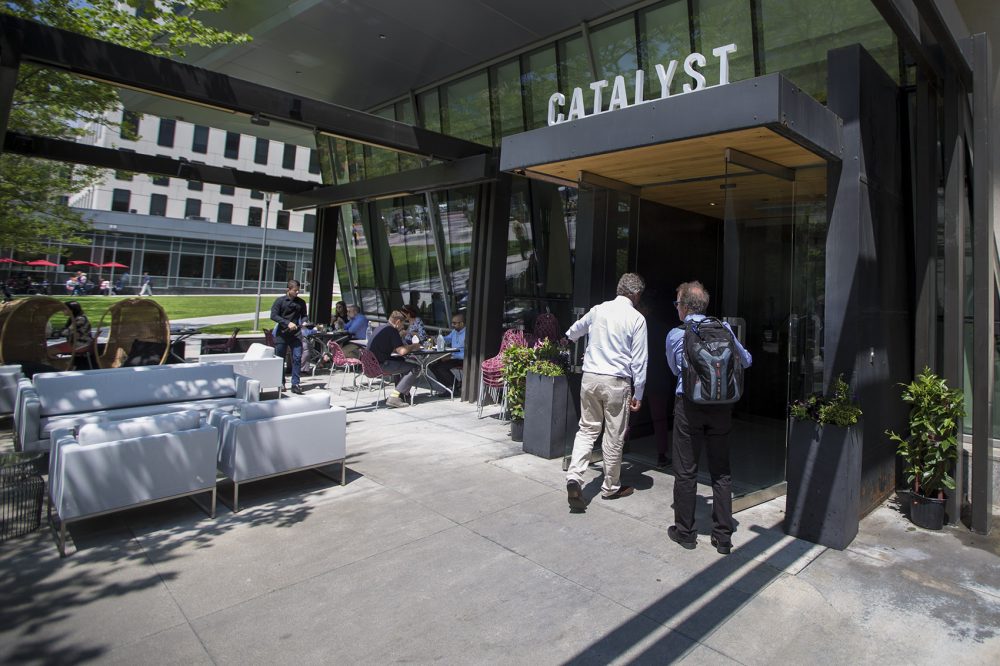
(357, 323)
(384, 343)
(456, 338)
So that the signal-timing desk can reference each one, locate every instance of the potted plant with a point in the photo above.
(823, 472)
(931, 448)
(550, 415)
(520, 363)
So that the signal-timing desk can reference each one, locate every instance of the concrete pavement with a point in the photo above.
(449, 545)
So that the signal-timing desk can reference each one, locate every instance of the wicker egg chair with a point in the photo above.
(23, 332)
(138, 334)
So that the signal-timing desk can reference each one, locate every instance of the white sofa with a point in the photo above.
(72, 399)
(273, 437)
(258, 362)
(9, 377)
(110, 466)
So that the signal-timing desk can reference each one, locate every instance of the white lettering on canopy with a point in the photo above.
(692, 65)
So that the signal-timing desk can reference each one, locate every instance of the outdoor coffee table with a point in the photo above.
(425, 358)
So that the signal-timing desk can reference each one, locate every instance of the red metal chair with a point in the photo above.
(372, 369)
(547, 327)
(225, 347)
(339, 360)
(269, 337)
(491, 376)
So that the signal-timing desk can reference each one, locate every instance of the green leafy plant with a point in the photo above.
(839, 409)
(931, 447)
(518, 361)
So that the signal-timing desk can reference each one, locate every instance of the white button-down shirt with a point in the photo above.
(617, 345)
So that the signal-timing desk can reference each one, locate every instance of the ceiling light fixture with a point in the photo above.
(381, 36)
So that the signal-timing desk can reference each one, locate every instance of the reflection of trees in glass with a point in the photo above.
(540, 81)
(614, 50)
(721, 22)
(466, 107)
(507, 99)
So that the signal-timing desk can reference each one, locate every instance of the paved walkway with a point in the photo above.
(448, 545)
(265, 316)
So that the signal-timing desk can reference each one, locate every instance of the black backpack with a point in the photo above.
(713, 368)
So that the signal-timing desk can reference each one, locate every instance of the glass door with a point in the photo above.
(756, 293)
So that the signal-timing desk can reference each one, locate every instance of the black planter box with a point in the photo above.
(823, 501)
(551, 416)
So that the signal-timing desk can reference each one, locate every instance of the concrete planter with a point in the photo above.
(550, 416)
(823, 502)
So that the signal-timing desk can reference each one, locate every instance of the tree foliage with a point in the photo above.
(59, 105)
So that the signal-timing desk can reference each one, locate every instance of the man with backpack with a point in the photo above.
(614, 377)
(708, 361)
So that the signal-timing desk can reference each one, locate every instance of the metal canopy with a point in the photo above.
(120, 66)
(673, 150)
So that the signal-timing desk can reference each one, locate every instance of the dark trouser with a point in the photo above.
(407, 371)
(282, 343)
(659, 410)
(442, 370)
(693, 425)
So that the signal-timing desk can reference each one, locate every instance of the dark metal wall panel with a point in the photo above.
(955, 223)
(984, 267)
(770, 101)
(10, 61)
(868, 331)
(92, 58)
(925, 216)
(487, 280)
(323, 260)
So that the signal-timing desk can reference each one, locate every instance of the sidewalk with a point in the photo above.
(449, 545)
(265, 316)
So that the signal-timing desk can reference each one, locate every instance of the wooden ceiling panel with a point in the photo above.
(689, 174)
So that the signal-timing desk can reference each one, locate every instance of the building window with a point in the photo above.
(192, 208)
(466, 107)
(309, 223)
(256, 194)
(124, 175)
(232, 151)
(509, 116)
(225, 213)
(191, 266)
(260, 151)
(251, 269)
(161, 180)
(282, 221)
(166, 135)
(155, 263)
(158, 204)
(130, 126)
(199, 143)
(224, 268)
(120, 200)
(227, 189)
(288, 156)
(254, 214)
(196, 185)
(313, 161)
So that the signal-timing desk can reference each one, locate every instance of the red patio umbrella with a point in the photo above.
(8, 260)
(113, 264)
(78, 262)
(41, 262)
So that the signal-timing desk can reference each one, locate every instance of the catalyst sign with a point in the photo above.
(619, 95)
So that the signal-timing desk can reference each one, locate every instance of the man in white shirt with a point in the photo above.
(614, 377)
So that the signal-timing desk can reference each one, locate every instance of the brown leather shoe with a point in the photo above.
(624, 491)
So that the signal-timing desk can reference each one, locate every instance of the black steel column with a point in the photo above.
(925, 225)
(867, 326)
(324, 257)
(955, 212)
(984, 267)
(10, 61)
(383, 267)
(487, 280)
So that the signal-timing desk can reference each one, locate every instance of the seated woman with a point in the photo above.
(78, 327)
(339, 319)
(414, 324)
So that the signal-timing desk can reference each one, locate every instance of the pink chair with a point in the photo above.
(268, 337)
(343, 362)
(547, 327)
(372, 369)
(226, 346)
(491, 377)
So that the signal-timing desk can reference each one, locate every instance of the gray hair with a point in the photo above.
(630, 284)
(693, 297)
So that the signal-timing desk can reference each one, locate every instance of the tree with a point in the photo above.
(33, 210)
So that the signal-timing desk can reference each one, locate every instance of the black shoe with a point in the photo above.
(676, 538)
(297, 390)
(722, 548)
(662, 461)
(574, 494)
(624, 491)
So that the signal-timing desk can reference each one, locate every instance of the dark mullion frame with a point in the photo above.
(757, 36)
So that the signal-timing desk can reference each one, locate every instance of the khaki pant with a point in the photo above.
(603, 400)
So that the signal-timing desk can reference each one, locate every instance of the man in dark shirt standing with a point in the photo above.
(288, 312)
(384, 343)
